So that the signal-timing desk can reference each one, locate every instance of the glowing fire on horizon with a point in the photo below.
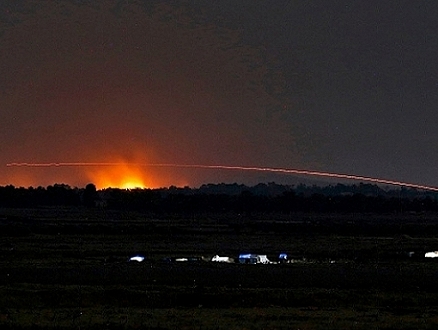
(122, 175)
(128, 175)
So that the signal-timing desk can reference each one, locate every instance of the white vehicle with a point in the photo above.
(216, 258)
(262, 259)
(254, 259)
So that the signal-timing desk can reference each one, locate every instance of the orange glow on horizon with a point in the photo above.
(119, 174)
(122, 176)
(128, 175)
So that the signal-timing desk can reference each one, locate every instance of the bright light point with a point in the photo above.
(137, 258)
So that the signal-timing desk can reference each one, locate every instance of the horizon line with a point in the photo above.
(236, 168)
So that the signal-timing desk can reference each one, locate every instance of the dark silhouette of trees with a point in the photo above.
(90, 195)
(223, 198)
(61, 194)
(58, 194)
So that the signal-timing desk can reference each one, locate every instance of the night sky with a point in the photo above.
(337, 86)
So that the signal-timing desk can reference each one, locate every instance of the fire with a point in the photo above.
(132, 183)
(122, 176)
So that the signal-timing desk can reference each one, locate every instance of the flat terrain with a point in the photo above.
(68, 268)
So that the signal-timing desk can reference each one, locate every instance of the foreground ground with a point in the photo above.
(67, 268)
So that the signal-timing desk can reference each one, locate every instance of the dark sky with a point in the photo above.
(337, 86)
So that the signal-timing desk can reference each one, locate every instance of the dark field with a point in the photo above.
(67, 268)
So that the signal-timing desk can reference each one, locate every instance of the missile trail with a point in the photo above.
(239, 168)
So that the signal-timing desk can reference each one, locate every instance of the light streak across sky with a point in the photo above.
(239, 168)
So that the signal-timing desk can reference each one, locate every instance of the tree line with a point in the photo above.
(225, 198)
